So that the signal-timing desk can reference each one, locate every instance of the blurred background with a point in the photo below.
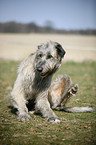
(26, 24)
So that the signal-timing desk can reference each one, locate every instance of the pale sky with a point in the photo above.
(65, 14)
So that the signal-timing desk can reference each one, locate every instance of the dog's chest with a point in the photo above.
(41, 84)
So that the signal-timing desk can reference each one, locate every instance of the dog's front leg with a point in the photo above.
(42, 106)
(19, 102)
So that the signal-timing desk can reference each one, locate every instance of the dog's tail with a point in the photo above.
(76, 109)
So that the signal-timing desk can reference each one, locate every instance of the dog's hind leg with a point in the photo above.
(58, 90)
(60, 93)
(73, 89)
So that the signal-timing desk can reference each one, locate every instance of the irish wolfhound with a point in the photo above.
(33, 83)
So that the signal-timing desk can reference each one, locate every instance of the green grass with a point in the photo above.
(74, 129)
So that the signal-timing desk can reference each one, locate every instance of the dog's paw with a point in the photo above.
(73, 90)
(54, 120)
(24, 117)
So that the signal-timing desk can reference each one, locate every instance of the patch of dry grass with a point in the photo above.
(18, 46)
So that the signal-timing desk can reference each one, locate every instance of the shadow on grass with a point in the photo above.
(13, 110)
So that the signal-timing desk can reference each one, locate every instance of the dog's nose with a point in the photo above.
(39, 69)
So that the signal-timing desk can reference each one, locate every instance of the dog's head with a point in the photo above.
(48, 58)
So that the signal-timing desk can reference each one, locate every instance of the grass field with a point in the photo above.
(74, 129)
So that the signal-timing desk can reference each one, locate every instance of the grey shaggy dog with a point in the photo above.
(33, 84)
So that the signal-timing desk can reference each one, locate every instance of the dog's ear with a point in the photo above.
(60, 50)
(39, 46)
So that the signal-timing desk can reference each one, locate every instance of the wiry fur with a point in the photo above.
(33, 83)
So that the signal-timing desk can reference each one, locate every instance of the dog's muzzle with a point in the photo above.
(41, 72)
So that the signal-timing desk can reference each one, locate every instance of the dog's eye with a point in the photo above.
(49, 56)
(40, 55)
